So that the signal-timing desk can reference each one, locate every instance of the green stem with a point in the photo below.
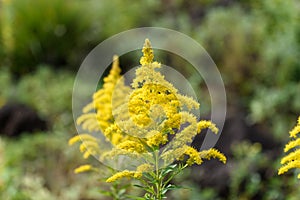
(156, 183)
(158, 178)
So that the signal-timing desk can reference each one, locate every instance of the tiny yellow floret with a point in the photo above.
(82, 168)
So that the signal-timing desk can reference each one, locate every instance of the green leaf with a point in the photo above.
(147, 196)
(106, 193)
(164, 191)
(166, 171)
(121, 192)
(148, 189)
(148, 176)
(139, 186)
(172, 166)
(173, 187)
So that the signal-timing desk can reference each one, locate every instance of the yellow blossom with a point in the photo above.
(83, 137)
(203, 124)
(170, 155)
(144, 168)
(143, 100)
(291, 156)
(295, 130)
(114, 134)
(119, 175)
(82, 168)
(188, 102)
(213, 153)
(187, 134)
(157, 139)
(114, 153)
(102, 117)
(89, 145)
(292, 144)
(138, 121)
(287, 167)
(193, 154)
(131, 146)
(292, 160)
(87, 153)
(148, 53)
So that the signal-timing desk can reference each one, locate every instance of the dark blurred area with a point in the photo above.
(255, 45)
(16, 119)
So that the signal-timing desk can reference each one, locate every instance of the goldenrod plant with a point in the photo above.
(292, 159)
(150, 124)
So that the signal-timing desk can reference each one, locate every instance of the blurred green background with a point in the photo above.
(255, 44)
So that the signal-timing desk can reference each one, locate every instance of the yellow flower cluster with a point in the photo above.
(89, 146)
(131, 146)
(119, 175)
(83, 168)
(126, 173)
(294, 132)
(97, 115)
(292, 160)
(102, 102)
(207, 124)
(193, 154)
(212, 153)
(195, 157)
(157, 138)
(140, 120)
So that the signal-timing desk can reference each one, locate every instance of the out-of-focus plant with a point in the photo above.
(249, 41)
(247, 156)
(271, 100)
(28, 166)
(279, 52)
(127, 15)
(5, 82)
(233, 39)
(255, 177)
(40, 89)
(1, 37)
(39, 167)
(60, 33)
(47, 87)
(138, 123)
(55, 33)
(5, 30)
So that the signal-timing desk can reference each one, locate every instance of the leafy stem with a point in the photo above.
(157, 183)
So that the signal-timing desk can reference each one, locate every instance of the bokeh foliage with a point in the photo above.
(255, 44)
